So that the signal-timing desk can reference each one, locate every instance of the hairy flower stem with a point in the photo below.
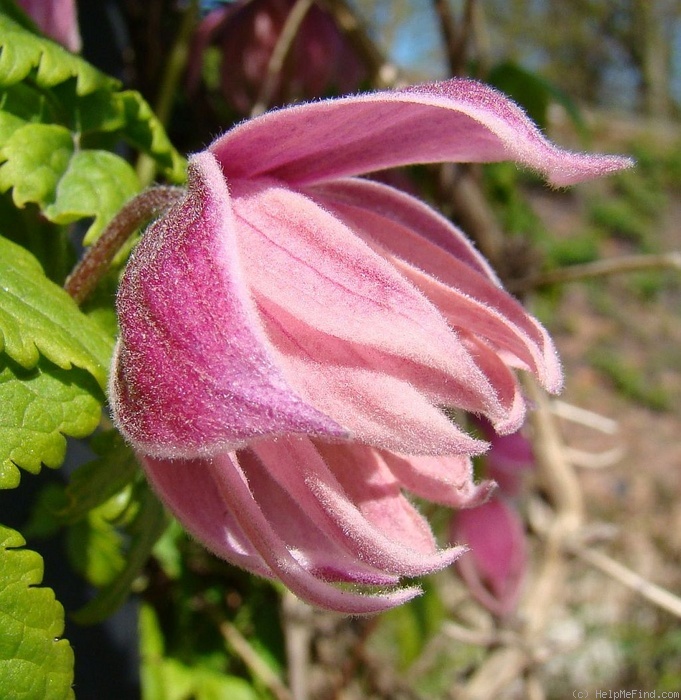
(138, 211)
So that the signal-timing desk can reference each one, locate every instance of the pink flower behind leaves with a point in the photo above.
(56, 18)
(319, 59)
(494, 567)
(289, 333)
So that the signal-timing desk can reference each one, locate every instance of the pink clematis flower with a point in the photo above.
(56, 18)
(319, 59)
(289, 333)
(494, 567)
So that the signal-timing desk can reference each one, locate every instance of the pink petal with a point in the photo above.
(417, 223)
(187, 488)
(355, 500)
(377, 398)
(193, 370)
(231, 500)
(495, 565)
(311, 535)
(470, 299)
(456, 120)
(503, 380)
(307, 262)
(508, 459)
(57, 19)
(447, 480)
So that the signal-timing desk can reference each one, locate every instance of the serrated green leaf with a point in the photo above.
(95, 183)
(37, 317)
(41, 84)
(148, 525)
(38, 407)
(35, 664)
(24, 54)
(42, 166)
(145, 132)
(35, 157)
(9, 123)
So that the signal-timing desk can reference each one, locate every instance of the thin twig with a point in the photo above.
(582, 416)
(564, 493)
(256, 665)
(382, 73)
(600, 268)
(594, 460)
(297, 622)
(651, 592)
(175, 64)
(281, 49)
(98, 258)
(456, 36)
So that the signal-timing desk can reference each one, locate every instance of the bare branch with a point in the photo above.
(255, 664)
(281, 49)
(600, 268)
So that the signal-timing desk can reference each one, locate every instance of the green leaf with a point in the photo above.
(148, 525)
(95, 550)
(56, 112)
(35, 159)
(96, 183)
(144, 131)
(38, 407)
(165, 678)
(42, 166)
(39, 318)
(24, 54)
(94, 483)
(35, 664)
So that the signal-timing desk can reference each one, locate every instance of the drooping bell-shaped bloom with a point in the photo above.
(494, 567)
(290, 333)
(319, 59)
(56, 18)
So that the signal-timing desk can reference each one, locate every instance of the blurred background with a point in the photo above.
(602, 75)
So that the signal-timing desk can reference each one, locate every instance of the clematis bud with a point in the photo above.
(319, 59)
(493, 569)
(289, 333)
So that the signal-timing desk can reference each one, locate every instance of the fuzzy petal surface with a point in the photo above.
(295, 341)
(193, 373)
(451, 121)
(220, 507)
